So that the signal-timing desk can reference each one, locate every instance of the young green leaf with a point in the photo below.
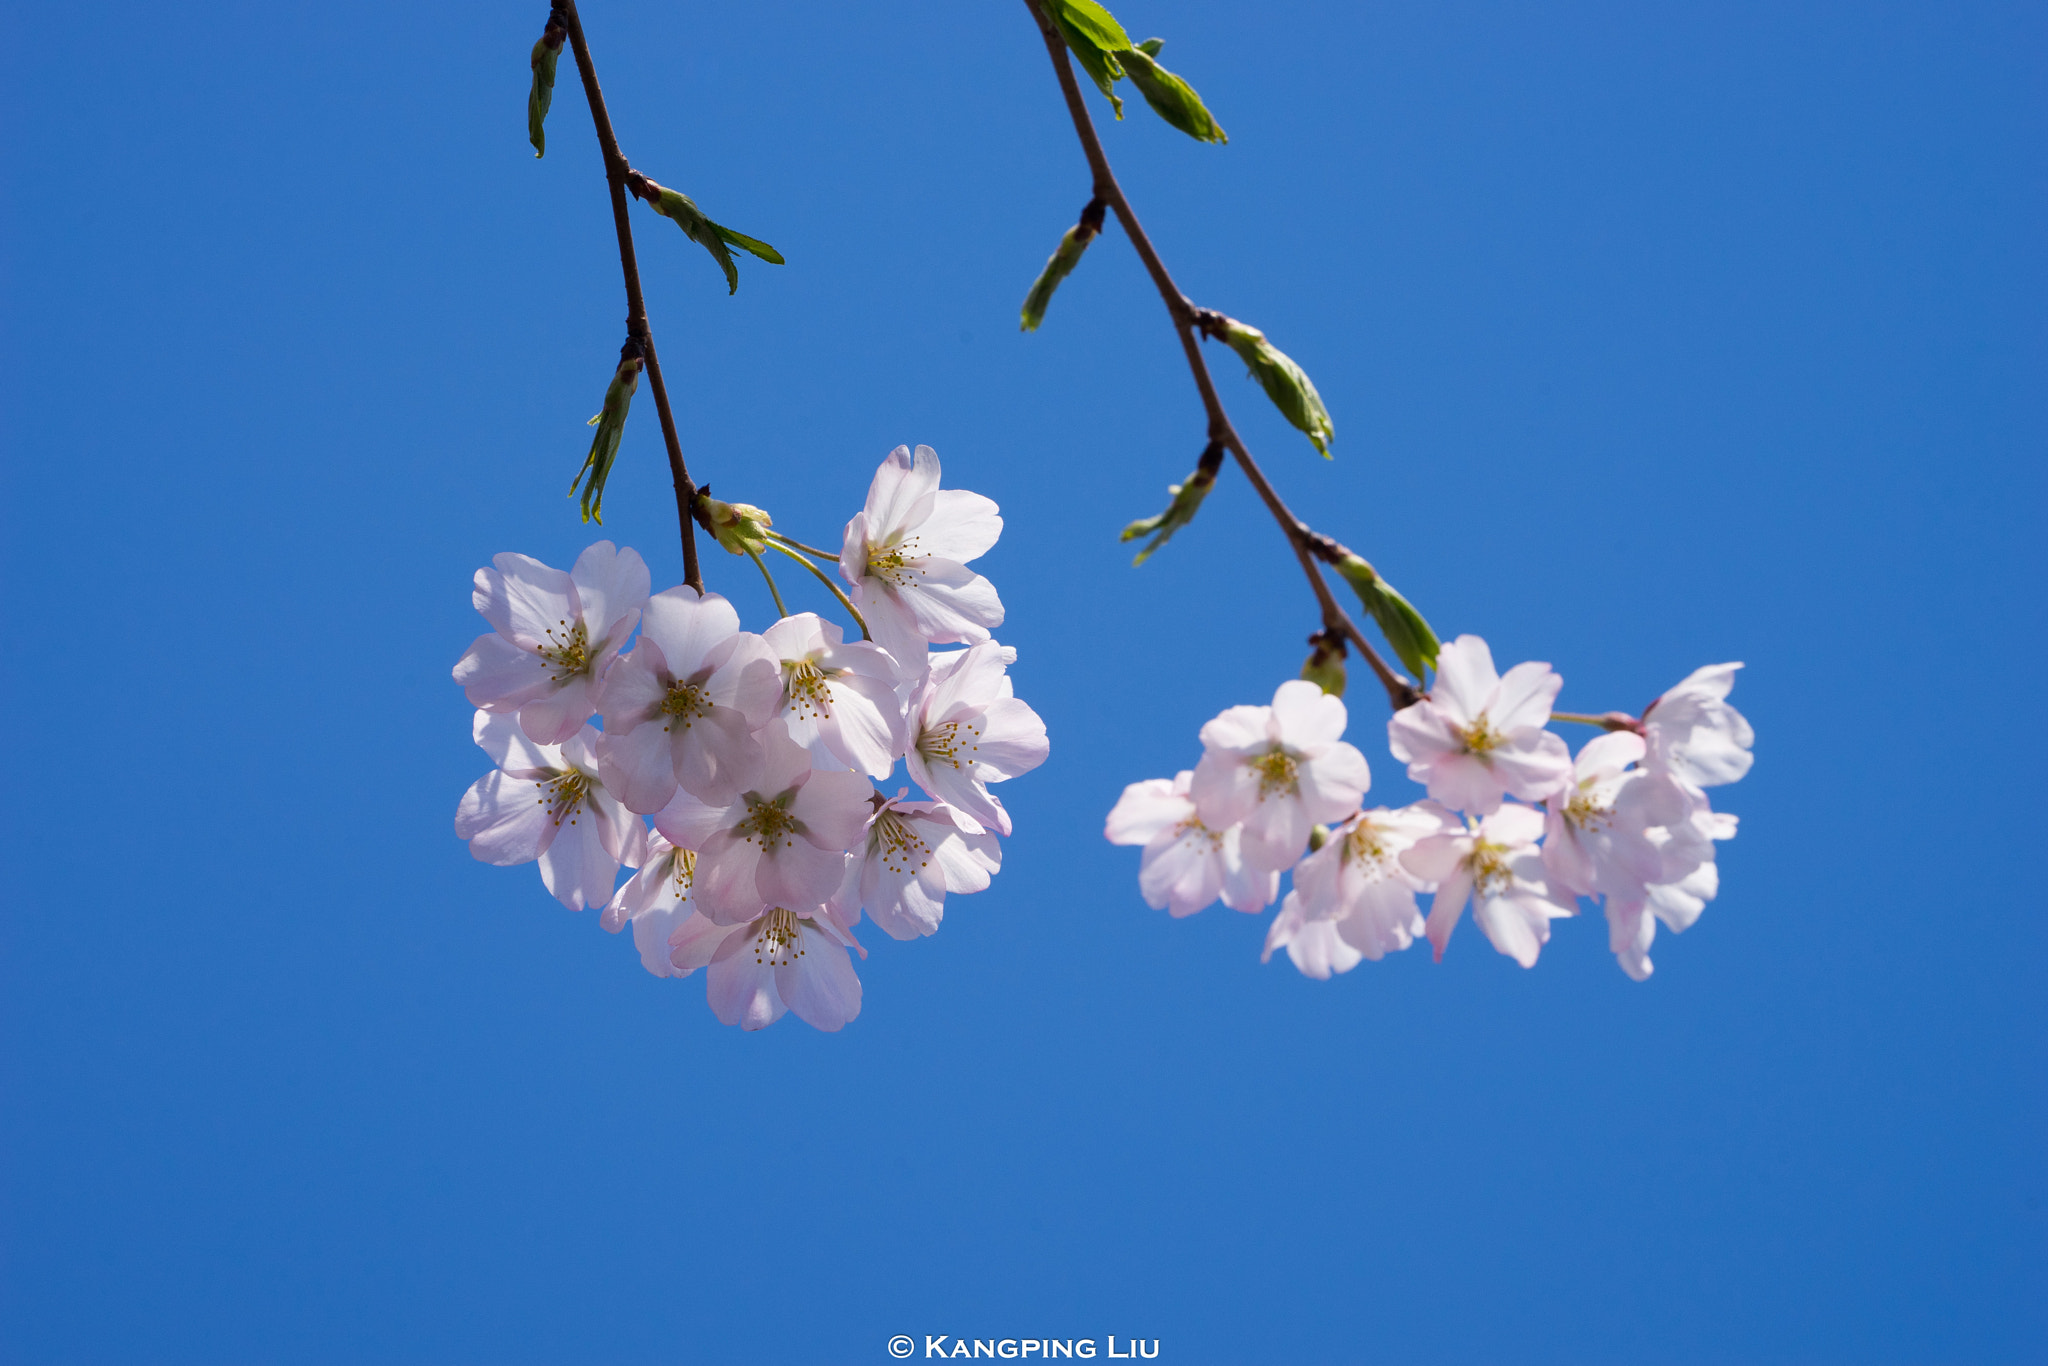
(611, 425)
(1410, 637)
(1061, 264)
(1150, 47)
(683, 211)
(1172, 98)
(1094, 37)
(546, 53)
(1286, 383)
(1187, 501)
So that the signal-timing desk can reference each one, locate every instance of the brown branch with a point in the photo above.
(615, 171)
(1400, 692)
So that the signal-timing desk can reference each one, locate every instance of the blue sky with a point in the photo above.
(1653, 337)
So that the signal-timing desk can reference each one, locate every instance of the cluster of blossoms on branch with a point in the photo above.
(755, 759)
(1625, 822)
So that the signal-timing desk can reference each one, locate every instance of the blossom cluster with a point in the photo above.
(1625, 822)
(754, 758)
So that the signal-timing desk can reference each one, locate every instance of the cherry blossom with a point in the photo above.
(1614, 828)
(655, 901)
(837, 693)
(906, 556)
(1317, 948)
(968, 730)
(547, 803)
(913, 854)
(1478, 735)
(1358, 882)
(1186, 864)
(554, 636)
(1279, 770)
(781, 843)
(1694, 734)
(1632, 916)
(778, 961)
(1494, 863)
(683, 707)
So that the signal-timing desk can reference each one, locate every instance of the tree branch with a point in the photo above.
(615, 170)
(1400, 692)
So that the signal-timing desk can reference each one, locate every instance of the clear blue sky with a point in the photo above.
(1654, 336)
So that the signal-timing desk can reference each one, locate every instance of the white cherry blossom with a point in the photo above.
(906, 556)
(912, 855)
(655, 901)
(1478, 735)
(1358, 882)
(782, 843)
(1615, 829)
(1279, 771)
(1694, 734)
(837, 693)
(683, 707)
(1494, 863)
(968, 730)
(778, 961)
(554, 636)
(1186, 864)
(1632, 916)
(1317, 948)
(547, 803)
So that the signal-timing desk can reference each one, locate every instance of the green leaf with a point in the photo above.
(1150, 47)
(1094, 37)
(1286, 383)
(683, 211)
(611, 425)
(1186, 502)
(1410, 637)
(538, 100)
(749, 244)
(1061, 264)
(1172, 98)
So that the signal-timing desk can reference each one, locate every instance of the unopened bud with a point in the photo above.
(1325, 665)
(1061, 264)
(546, 53)
(1318, 836)
(611, 425)
(740, 527)
(1187, 501)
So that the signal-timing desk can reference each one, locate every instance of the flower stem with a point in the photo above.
(780, 610)
(1186, 317)
(807, 549)
(844, 601)
(1613, 720)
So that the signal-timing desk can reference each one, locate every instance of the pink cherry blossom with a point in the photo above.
(1186, 864)
(778, 961)
(683, 707)
(967, 730)
(655, 901)
(1279, 771)
(1694, 734)
(1479, 736)
(837, 693)
(1614, 828)
(782, 843)
(1632, 916)
(1494, 863)
(547, 803)
(1358, 882)
(554, 637)
(906, 556)
(1317, 948)
(914, 853)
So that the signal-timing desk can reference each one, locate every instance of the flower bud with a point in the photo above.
(740, 527)
(1187, 501)
(1325, 665)
(1318, 836)
(611, 425)
(1407, 633)
(546, 53)
(1284, 382)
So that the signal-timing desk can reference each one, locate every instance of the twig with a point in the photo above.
(615, 171)
(1400, 692)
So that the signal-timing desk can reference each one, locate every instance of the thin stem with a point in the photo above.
(844, 601)
(1613, 720)
(1400, 692)
(615, 169)
(832, 555)
(780, 610)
